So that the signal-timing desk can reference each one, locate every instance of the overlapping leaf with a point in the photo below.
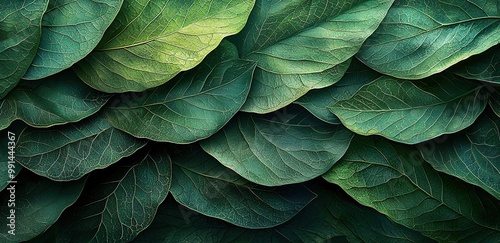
(332, 216)
(55, 100)
(70, 151)
(484, 67)
(318, 101)
(420, 38)
(286, 147)
(303, 45)
(38, 203)
(204, 185)
(393, 179)
(71, 29)
(10, 168)
(412, 112)
(119, 202)
(472, 155)
(151, 41)
(193, 106)
(20, 31)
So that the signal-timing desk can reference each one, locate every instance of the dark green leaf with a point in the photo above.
(38, 202)
(412, 112)
(318, 101)
(472, 155)
(420, 38)
(151, 41)
(9, 168)
(333, 216)
(484, 67)
(119, 202)
(70, 151)
(20, 30)
(71, 29)
(394, 179)
(302, 45)
(494, 100)
(286, 147)
(193, 106)
(204, 185)
(55, 100)
(175, 223)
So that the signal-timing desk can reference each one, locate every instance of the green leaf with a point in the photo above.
(70, 151)
(484, 67)
(20, 31)
(289, 146)
(55, 100)
(38, 202)
(472, 155)
(193, 106)
(175, 223)
(204, 185)
(412, 112)
(302, 45)
(318, 101)
(70, 30)
(335, 217)
(119, 202)
(420, 38)
(151, 41)
(394, 179)
(494, 100)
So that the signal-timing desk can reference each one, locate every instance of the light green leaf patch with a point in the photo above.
(119, 202)
(285, 147)
(37, 205)
(20, 31)
(303, 45)
(193, 106)
(70, 151)
(204, 185)
(55, 100)
(420, 38)
(411, 112)
(151, 41)
(472, 155)
(70, 30)
(393, 178)
(318, 101)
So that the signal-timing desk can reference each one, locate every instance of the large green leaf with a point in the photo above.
(193, 106)
(119, 202)
(420, 38)
(484, 67)
(55, 100)
(20, 31)
(412, 112)
(318, 101)
(302, 45)
(175, 223)
(335, 217)
(285, 147)
(71, 29)
(394, 179)
(472, 155)
(38, 202)
(204, 185)
(70, 151)
(151, 41)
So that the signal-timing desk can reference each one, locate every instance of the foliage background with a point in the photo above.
(242, 120)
